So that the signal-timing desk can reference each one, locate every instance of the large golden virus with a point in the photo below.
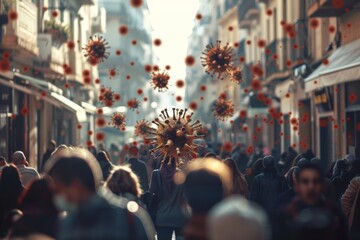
(118, 120)
(217, 59)
(160, 80)
(236, 75)
(174, 135)
(223, 109)
(96, 49)
(142, 128)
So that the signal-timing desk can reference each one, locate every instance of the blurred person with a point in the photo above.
(350, 203)
(251, 173)
(267, 186)
(11, 188)
(50, 149)
(40, 216)
(208, 181)
(114, 153)
(168, 209)
(240, 158)
(296, 159)
(8, 221)
(124, 182)
(102, 147)
(93, 214)
(139, 168)
(309, 215)
(303, 161)
(93, 150)
(258, 153)
(329, 190)
(282, 163)
(105, 164)
(240, 185)
(27, 174)
(3, 163)
(286, 197)
(237, 218)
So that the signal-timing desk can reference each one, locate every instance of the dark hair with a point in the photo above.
(102, 157)
(67, 169)
(312, 167)
(268, 163)
(38, 198)
(303, 161)
(52, 143)
(293, 171)
(10, 178)
(240, 185)
(2, 159)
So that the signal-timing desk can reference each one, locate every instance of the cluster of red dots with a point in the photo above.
(86, 76)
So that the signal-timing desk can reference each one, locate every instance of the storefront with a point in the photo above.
(353, 118)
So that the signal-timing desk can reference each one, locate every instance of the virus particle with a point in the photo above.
(261, 43)
(242, 59)
(193, 105)
(141, 128)
(157, 42)
(89, 143)
(325, 62)
(100, 136)
(87, 80)
(180, 83)
(106, 96)
(117, 97)
(289, 30)
(338, 3)
(217, 59)
(54, 14)
(86, 73)
(189, 60)
(198, 16)
(24, 111)
(79, 126)
(100, 111)
(156, 68)
(332, 29)
(6, 55)
(269, 12)
(236, 75)
(223, 109)
(96, 50)
(174, 136)
(179, 98)
(100, 122)
(112, 72)
(257, 70)
(12, 15)
(140, 91)
(136, 3)
(243, 113)
(203, 88)
(118, 120)
(133, 104)
(230, 28)
(236, 44)
(90, 132)
(123, 30)
(314, 23)
(147, 68)
(118, 52)
(160, 80)
(97, 81)
(134, 42)
(70, 45)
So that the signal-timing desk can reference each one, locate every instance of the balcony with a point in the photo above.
(248, 10)
(99, 22)
(21, 34)
(325, 8)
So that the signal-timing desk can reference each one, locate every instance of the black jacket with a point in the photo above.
(139, 168)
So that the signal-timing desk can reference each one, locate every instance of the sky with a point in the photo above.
(172, 22)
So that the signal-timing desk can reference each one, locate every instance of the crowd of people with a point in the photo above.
(95, 193)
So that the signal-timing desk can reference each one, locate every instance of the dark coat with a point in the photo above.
(139, 168)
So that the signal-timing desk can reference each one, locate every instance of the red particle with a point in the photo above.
(236, 44)
(54, 14)
(145, 99)
(325, 62)
(249, 149)
(189, 60)
(261, 43)
(337, 3)
(89, 143)
(25, 68)
(289, 63)
(295, 46)
(90, 132)
(66, 86)
(281, 134)
(332, 29)
(123, 30)
(93, 61)
(43, 94)
(70, 45)
(12, 15)
(157, 42)
(294, 145)
(228, 146)
(257, 70)
(242, 59)
(112, 72)
(147, 68)
(230, 28)
(117, 97)
(86, 73)
(201, 98)
(136, 3)
(248, 42)
(97, 81)
(133, 42)
(256, 85)
(269, 12)
(167, 67)
(315, 82)
(6, 55)
(267, 51)
(118, 52)
(198, 16)
(24, 111)
(100, 122)
(314, 23)
(275, 56)
(100, 136)
(293, 121)
(323, 123)
(156, 68)
(87, 80)
(223, 96)
(358, 127)
(246, 90)
(203, 88)
(132, 63)
(282, 23)
(4, 65)
(99, 111)
(289, 30)
(139, 91)
(193, 105)
(287, 95)
(180, 83)
(336, 126)
(258, 129)
(128, 77)
(245, 128)
(79, 126)
(349, 25)
(243, 113)
(179, 98)
(352, 97)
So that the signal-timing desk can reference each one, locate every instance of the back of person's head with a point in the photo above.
(257, 167)
(237, 218)
(269, 165)
(10, 177)
(18, 158)
(312, 167)
(102, 157)
(207, 182)
(309, 154)
(123, 180)
(302, 162)
(38, 198)
(2, 161)
(297, 159)
(291, 176)
(133, 151)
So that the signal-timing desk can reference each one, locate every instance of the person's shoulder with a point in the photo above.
(30, 169)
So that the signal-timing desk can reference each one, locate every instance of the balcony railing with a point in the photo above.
(325, 8)
(247, 11)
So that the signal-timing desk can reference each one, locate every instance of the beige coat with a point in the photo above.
(349, 199)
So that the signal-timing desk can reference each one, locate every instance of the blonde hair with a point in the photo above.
(123, 180)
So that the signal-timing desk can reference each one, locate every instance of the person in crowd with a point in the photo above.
(208, 181)
(296, 159)
(138, 167)
(240, 185)
(114, 153)
(286, 197)
(27, 174)
(93, 150)
(258, 153)
(50, 149)
(350, 203)
(252, 172)
(40, 216)
(105, 164)
(267, 186)
(168, 209)
(102, 147)
(282, 163)
(288, 163)
(303, 161)
(92, 214)
(328, 190)
(11, 188)
(309, 216)
(3, 163)
(237, 218)
(124, 182)
(240, 158)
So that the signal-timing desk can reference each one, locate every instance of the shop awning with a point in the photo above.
(344, 66)
(42, 84)
(281, 89)
(71, 106)
(88, 107)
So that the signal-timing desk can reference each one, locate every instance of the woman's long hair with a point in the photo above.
(240, 185)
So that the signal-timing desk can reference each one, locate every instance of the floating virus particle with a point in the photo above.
(174, 136)
(100, 136)
(70, 45)
(141, 128)
(133, 104)
(96, 49)
(217, 59)
(160, 80)
(136, 3)
(198, 16)
(157, 42)
(189, 60)
(236, 75)
(106, 96)
(118, 120)
(112, 72)
(223, 109)
(180, 83)
(123, 30)
(12, 15)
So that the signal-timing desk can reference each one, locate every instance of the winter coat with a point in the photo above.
(350, 200)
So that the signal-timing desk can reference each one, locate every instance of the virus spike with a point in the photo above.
(184, 113)
(174, 117)
(167, 114)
